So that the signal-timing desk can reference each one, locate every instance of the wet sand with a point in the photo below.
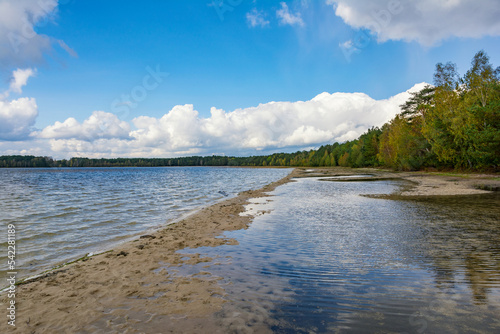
(418, 184)
(134, 288)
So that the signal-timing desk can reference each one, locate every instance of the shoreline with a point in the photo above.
(132, 282)
(418, 184)
(27, 273)
(113, 245)
(135, 283)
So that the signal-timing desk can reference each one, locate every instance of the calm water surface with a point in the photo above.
(328, 260)
(62, 214)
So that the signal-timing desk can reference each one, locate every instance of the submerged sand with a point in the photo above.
(134, 288)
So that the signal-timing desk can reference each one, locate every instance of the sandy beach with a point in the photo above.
(132, 288)
(418, 184)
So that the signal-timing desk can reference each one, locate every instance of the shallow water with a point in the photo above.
(329, 260)
(63, 213)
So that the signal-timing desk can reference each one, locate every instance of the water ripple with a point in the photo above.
(335, 261)
(61, 214)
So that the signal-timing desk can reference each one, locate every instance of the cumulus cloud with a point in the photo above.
(427, 21)
(19, 80)
(20, 44)
(17, 118)
(255, 18)
(285, 17)
(273, 126)
(98, 126)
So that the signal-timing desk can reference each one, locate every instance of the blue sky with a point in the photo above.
(92, 89)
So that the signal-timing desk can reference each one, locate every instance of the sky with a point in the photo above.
(157, 78)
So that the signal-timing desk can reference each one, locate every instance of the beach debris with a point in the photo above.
(147, 236)
(122, 253)
(223, 193)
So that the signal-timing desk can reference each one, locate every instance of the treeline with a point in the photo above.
(33, 161)
(18, 161)
(453, 124)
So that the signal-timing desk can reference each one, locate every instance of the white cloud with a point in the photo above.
(98, 126)
(20, 79)
(20, 44)
(426, 21)
(269, 127)
(256, 18)
(33, 147)
(179, 129)
(286, 17)
(17, 118)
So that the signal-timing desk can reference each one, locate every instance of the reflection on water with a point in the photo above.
(464, 232)
(328, 260)
(63, 213)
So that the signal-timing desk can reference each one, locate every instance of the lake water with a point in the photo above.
(62, 214)
(328, 260)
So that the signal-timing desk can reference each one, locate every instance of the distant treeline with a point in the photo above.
(453, 124)
(32, 161)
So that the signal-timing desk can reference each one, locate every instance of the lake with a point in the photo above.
(61, 214)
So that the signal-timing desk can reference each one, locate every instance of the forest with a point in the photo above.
(454, 124)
